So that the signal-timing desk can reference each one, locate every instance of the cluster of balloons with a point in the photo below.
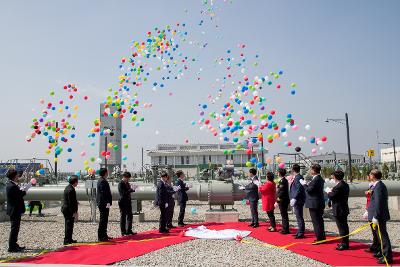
(56, 122)
(245, 117)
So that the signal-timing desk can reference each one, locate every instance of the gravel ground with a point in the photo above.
(38, 233)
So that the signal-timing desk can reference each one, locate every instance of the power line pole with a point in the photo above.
(394, 154)
(348, 147)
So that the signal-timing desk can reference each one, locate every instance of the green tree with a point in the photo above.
(385, 171)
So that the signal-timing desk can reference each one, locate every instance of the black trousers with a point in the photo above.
(103, 223)
(283, 207)
(32, 205)
(343, 227)
(318, 223)
(182, 207)
(163, 217)
(271, 217)
(69, 228)
(298, 211)
(254, 211)
(15, 225)
(171, 207)
(387, 247)
(126, 218)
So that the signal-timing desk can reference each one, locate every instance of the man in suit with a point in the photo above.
(171, 203)
(162, 202)
(315, 201)
(297, 199)
(339, 196)
(125, 204)
(181, 196)
(282, 199)
(70, 209)
(15, 208)
(104, 202)
(378, 214)
(252, 196)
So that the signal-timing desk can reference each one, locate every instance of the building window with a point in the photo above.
(204, 159)
(187, 160)
(209, 158)
(165, 160)
(226, 157)
(231, 156)
(182, 160)
(159, 160)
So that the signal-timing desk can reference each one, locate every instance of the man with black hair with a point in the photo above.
(378, 214)
(252, 196)
(104, 202)
(162, 202)
(315, 201)
(70, 209)
(125, 204)
(297, 200)
(15, 208)
(282, 199)
(182, 196)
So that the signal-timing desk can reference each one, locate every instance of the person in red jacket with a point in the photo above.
(268, 197)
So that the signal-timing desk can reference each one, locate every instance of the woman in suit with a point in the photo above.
(268, 197)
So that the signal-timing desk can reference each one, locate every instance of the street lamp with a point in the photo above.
(346, 121)
(394, 152)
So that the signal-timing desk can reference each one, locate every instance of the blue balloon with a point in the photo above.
(259, 165)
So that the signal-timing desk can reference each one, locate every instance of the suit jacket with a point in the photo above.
(283, 192)
(297, 191)
(339, 198)
(103, 193)
(124, 190)
(378, 207)
(252, 190)
(315, 193)
(182, 196)
(70, 204)
(162, 194)
(171, 192)
(15, 200)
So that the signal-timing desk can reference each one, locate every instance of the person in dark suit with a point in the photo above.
(297, 199)
(182, 196)
(378, 214)
(125, 204)
(252, 196)
(70, 209)
(282, 199)
(104, 202)
(339, 196)
(162, 202)
(171, 203)
(15, 208)
(315, 201)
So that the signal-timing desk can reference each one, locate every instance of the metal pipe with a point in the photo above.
(216, 192)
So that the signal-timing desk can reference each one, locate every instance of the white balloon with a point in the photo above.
(307, 127)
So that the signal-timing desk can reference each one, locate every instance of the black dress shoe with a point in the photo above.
(181, 224)
(378, 255)
(20, 248)
(255, 225)
(171, 226)
(251, 225)
(299, 237)
(15, 250)
(382, 261)
(283, 232)
(341, 247)
(131, 233)
(370, 250)
(104, 239)
(163, 231)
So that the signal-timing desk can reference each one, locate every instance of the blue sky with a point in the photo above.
(343, 55)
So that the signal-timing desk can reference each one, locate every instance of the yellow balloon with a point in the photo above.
(110, 145)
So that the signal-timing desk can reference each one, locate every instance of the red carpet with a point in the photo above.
(130, 247)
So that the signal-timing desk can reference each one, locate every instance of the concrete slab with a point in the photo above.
(222, 216)
(138, 217)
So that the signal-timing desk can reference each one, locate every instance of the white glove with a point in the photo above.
(374, 221)
(328, 190)
(365, 215)
(303, 182)
(257, 182)
(241, 187)
(26, 187)
(189, 185)
(134, 186)
(166, 205)
(176, 188)
(292, 202)
(276, 205)
(108, 206)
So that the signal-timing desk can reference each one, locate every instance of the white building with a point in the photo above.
(192, 158)
(387, 155)
(337, 158)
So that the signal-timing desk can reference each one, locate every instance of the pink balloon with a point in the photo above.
(33, 181)
(281, 165)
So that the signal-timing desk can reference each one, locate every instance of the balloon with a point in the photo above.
(307, 127)
(259, 165)
(193, 210)
(33, 181)
(248, 164)
(297, 149)
(281, 165)
(314, 151)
